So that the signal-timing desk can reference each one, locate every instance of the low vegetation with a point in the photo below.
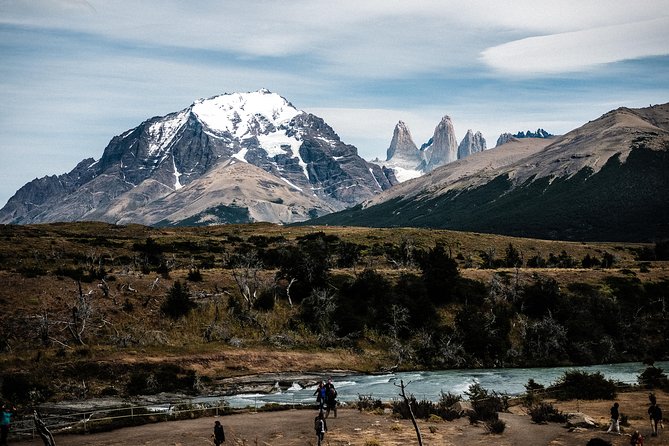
(93, 309)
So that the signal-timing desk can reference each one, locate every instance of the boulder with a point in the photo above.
(579, 419)
(463, 408)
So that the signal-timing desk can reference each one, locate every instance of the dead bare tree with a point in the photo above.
(247, 277)
(44, 433)
(408, 403)
(399, 316)
(81, 313)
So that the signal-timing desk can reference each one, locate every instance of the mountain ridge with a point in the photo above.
(562, 187)
(156, 160)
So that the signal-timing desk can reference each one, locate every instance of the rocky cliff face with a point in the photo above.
(444, 147)
(407, 161)
(471, 143)
(153, 165)
(402, 149)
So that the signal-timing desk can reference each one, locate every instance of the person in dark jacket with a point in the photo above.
(331, 399)
(219, 433)
(655, 414)
(320, 426)
(615, 419)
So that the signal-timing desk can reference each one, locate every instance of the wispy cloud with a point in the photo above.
(580, 50)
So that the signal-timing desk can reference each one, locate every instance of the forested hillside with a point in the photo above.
(132, 309)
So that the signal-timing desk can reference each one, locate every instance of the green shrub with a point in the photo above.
(486, 404)
(367, 402)
(545, 412)
(178, 303)
(194, 275)
(653, 378)
(577, 384)
(447, 399)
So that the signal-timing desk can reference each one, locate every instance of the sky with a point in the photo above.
(75, 73)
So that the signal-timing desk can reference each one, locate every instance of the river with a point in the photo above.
(429, 384)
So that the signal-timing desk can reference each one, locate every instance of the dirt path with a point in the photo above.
(351, 427)
(295, 427)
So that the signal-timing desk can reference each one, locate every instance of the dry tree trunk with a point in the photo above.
(44, 433)
(413, 418)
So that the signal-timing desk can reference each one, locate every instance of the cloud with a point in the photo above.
(377, 38)
(580, 50)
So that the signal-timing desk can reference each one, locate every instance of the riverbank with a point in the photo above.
(351, 427)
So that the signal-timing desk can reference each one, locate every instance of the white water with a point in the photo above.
(429, 385)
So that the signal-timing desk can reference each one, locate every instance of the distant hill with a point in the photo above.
(606, 180)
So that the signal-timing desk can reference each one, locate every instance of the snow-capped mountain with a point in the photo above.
(408, 161)
(182, 167)
(606, 180)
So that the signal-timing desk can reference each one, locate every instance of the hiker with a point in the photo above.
(655, 414)
(219, 433)
(320, 426)
(321, 396)
(636, 439)
(5, 422)
(615, 422)
(331, 397)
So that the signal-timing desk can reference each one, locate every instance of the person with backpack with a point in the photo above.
(321, 395)
(655, 414)
(219, 433)
(331, 398)
(320, 426)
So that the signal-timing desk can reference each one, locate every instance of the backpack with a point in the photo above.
(318, 425)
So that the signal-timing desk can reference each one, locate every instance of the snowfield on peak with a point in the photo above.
(163, 131)
(236, 113)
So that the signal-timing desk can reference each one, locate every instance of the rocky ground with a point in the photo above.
(351, 427)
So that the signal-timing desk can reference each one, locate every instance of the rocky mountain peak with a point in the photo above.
(148, 173)
(402, 147)
(504, 138)
(471, 143)
(444, 147)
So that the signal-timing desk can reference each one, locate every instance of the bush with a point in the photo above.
(653, 378)
(178, 303)
(545, 412)
(576, 384)
(532, 396)
(366, 402)
(486, 404)
(421, 409)
(446, 400)
(194, 275)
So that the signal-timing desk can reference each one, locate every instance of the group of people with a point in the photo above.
(326, 399)
(654, 413)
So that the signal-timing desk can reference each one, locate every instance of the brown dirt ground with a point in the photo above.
(351, 427)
